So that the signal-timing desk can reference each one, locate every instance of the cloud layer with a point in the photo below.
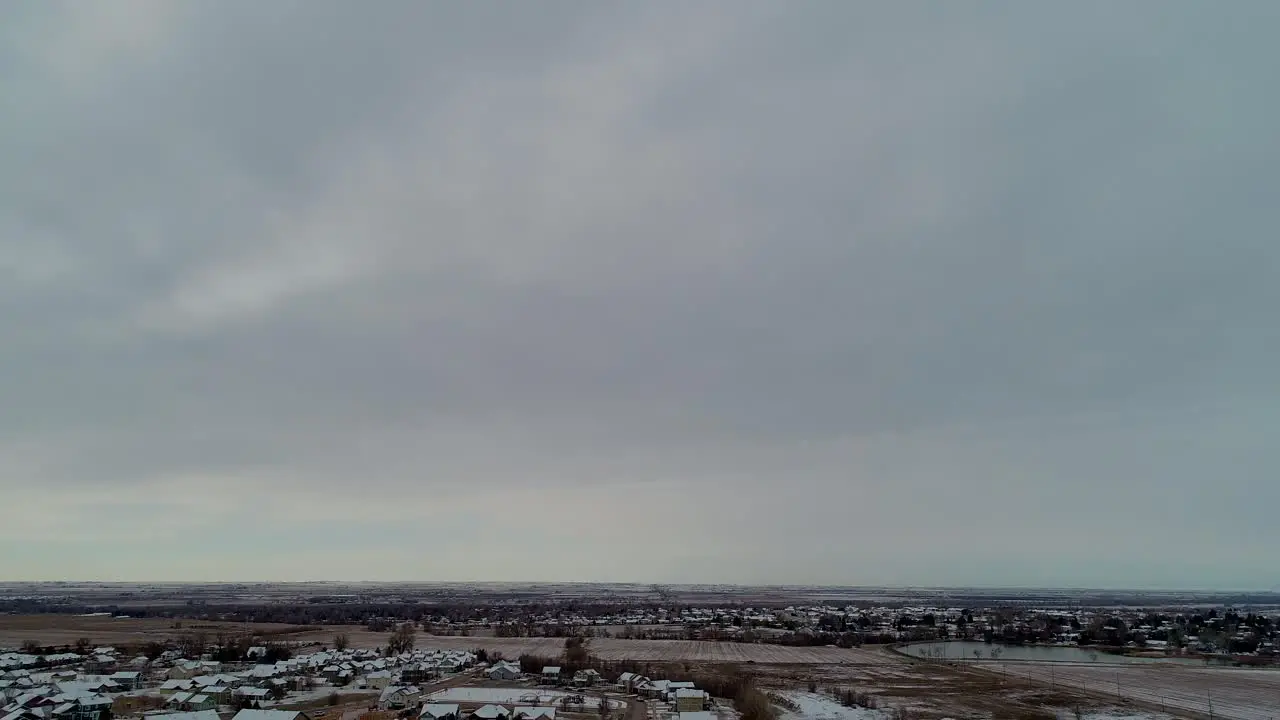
(673, 292)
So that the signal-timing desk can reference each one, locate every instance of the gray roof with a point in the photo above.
(201, 715)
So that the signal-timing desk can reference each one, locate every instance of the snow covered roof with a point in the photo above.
(690, 693)
(439, 710)
(536, 712)
(201, 715)
(489, 712)
(392, 690)
(551, 670)
(267, 715)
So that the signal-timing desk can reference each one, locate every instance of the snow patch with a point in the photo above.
(817, 707)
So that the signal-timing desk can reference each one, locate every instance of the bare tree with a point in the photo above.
(341, 641)
(193, 644)
(401, 640)
(83, 645)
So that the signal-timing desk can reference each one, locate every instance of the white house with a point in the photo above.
(398, 697)
(690, 700)
(378, 680)
(503, 670)
(127, 679)
(491, 712)
(550, 674)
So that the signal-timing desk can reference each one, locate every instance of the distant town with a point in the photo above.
(650, 653)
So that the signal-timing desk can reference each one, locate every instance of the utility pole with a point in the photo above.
(1209, 693)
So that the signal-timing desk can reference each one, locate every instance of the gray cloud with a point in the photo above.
(836, 294)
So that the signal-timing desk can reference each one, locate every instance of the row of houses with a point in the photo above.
(65, 700)
(447, 711)
(684, 695)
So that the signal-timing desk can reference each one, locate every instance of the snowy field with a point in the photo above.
(1232, 693)
(506, 696)
(818, 707)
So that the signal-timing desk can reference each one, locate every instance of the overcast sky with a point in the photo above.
(847, 293)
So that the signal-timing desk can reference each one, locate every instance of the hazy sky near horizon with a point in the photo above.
(859, 293)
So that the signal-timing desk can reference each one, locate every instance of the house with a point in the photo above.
(677, 685)
(127, 679)
(264, 672)
(690, 700)
(201, 702)
(550, 675)
(503, 670)
(184, 670)
(439, 711)
(378, 680)
(632, 682)
(251, 694)
(169, 687)
(534, 713)
(271, 715)
(586, 678)
(419, 672)
(198, 715)
(99, 664)
(491, 712)
(655, 688)
(89, 708)
(398, 697)
(206, 681)
(221, 694)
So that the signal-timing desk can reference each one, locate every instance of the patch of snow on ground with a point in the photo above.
(818, 707)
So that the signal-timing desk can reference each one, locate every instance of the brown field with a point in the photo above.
(700, 651)
(66, 629)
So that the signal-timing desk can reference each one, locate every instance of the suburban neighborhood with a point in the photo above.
(430, 684)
